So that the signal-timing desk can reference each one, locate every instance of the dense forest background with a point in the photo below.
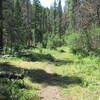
(25, 24)
(49, 53)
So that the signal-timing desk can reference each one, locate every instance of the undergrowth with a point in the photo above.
(77, 76)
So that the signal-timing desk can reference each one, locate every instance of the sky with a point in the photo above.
(47, 3)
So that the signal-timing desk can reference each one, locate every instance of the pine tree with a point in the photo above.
(55, 28)
(37, 21)
(1, 25)
(60, 17)
(18, 18)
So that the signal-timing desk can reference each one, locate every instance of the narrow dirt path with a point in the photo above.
(49, 92)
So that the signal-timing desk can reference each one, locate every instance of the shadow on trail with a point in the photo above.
(62, 62)
(42, 77)
(44, 57)
(36, 57)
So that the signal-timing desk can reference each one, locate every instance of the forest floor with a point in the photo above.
(49, 92)
(52, 75)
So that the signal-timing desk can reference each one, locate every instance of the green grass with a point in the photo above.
(78, 77)
(87, 68)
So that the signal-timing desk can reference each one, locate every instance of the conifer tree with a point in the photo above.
(37, 21)
(60, 17)
(1, 25)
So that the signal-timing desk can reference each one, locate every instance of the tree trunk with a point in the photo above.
(1, 27)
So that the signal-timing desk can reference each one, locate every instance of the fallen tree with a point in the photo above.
(11, 75)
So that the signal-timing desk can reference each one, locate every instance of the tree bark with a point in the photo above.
(1, 26)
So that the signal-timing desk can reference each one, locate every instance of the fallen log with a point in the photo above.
(11, 75)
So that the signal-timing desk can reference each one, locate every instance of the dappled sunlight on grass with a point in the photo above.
(41, 76)
(86, 67)
(79, 93)
(78, 77)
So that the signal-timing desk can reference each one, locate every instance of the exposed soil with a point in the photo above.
(49, 92)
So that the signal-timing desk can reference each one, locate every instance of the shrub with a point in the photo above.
(73, 41)
(18, 91)
(52, 41)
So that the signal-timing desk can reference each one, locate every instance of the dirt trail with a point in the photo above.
(49, 92)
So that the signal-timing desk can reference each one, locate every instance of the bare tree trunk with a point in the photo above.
(1, 27)
(98, 14)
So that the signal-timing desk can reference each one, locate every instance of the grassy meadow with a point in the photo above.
(77, 77)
